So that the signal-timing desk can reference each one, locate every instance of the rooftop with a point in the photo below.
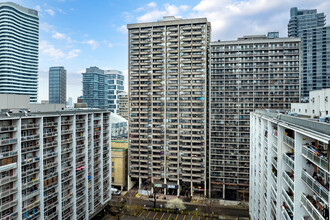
(308, 124)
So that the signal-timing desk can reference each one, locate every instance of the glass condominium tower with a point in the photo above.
(57, 85)
(115, 82)
(19, 32)
(95, 88)
(315, 48)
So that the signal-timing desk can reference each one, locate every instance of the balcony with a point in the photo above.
(287, 199)
(8, 154)
(8, 192)
(316, 158)
(312, 211)
(288, 180)
(288, 141)
(7, 129)
(320, 190)
(30, 160)
(8, 141)
(7, 205)
(8, 179)
(288, 161)
(30, 137)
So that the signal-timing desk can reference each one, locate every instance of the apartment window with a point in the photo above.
(113, 163)
(305, 110)
(326, 112)
(113, 179)
(113, 170)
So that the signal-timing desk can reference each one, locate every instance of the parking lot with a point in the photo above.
(152, 215)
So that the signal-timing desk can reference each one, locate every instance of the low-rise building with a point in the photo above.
(119, 161)
(289, 167)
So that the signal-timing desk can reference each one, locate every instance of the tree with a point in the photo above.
(175, 204)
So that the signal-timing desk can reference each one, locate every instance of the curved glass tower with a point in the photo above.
(19, 36)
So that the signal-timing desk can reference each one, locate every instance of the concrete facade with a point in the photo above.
(54, 165)
(289, 167)
(123, 105)
(168, 69)
(246, 74)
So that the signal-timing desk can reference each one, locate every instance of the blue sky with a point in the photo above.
(78, 34)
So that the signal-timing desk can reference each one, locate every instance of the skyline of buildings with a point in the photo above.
(315, 40)
(189, 104)
(249, 73)
(168, 68)
(57, 85)
(19, 30)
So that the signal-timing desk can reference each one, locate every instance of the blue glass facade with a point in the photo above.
(116, 86)
(95, 88)
(57, 85)
(315, 49)
(19, 32)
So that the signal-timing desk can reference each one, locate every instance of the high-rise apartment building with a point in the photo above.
(249, 73)
(95, 88)
(289, 167)
(19, 30)
(167, 103)
(54, 165)
(57, 85)
(115, 86)
(315, 48)
(123, 104)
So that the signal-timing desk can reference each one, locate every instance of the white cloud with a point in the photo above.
(152, 4)
(58, 35)
(48, 49)
(50, 11)
(73, 53)
(166, 10)
(46, 27)
(122, 29)
(38, 8)
(110, 45)
(128, 17)
(92, 43)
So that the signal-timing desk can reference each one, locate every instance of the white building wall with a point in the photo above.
(19, 206)
(271, 167)
(318, 105)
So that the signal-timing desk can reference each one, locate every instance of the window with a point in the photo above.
(113, 179)
(113, 163)
(113, 170)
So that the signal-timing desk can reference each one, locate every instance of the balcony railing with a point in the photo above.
(8, 141)
(312, 211)
(315, 186)
(289, 141)
(287, 200)
(8, 154)
(288, 180)
(288, 161)
(321, 162)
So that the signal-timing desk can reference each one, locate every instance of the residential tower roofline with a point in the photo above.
(31, 12)
(167, 21)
